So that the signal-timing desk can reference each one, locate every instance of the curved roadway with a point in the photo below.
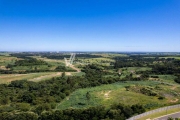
(173, 115)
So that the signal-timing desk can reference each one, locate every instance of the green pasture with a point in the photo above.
(4, 54)
(101, 61)
(111, 55)
(167, 78)
(50, 61)
(138, 69)
(133, 70)
(5, 60)
(110, 94)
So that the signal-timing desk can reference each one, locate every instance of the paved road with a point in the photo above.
(175, 115)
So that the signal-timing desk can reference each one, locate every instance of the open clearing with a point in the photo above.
(100, 61)
(6, 78)
(36, 77)
(115, 93)
(5, 60)
(51, 61)
(171, 57)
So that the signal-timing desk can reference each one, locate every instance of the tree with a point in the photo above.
(4, 100)
(177, 79)
(35, 68)
(170, 118)
(63, 74)
(88, 96)
(127, 87)
(27, 97)
(69, 80)
(177, 118)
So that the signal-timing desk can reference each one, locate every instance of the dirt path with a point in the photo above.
(68, 73)
(46, 76)
(50, 76)
(11, 75)
(73, 67)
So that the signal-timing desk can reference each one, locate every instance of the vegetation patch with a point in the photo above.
(117, 93)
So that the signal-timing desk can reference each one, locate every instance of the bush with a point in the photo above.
(161, 97)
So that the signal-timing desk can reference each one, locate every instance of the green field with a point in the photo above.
(5, 60)
(178, 58)
(105, 61)
(167, 78)
(132, 70)
(50, 61)
(4, 54)
(114, 93)
(138, 69)
(111, 55)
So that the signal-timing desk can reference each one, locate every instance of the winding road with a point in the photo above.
(173, 115)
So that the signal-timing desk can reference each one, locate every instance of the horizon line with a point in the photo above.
(90, 51)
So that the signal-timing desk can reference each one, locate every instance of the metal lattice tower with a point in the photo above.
(71, 59)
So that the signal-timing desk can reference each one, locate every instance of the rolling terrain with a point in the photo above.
(41, 82)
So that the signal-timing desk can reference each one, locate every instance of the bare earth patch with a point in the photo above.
(12, 75)
(106, 95)
(3, 68)
(68, 73)
(174, 87)
(175, 100)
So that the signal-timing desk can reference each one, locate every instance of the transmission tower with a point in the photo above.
(71, 59)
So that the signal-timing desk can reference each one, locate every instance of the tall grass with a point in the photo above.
(109, 94)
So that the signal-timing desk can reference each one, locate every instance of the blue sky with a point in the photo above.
(90, 25)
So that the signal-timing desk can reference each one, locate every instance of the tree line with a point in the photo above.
(115, 112)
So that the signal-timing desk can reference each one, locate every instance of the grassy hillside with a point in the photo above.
(116, 93)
